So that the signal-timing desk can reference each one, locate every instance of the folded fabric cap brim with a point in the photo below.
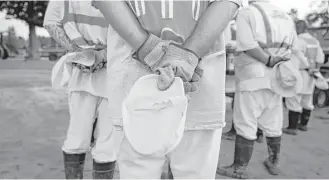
(58, 74)
(286, 91)
(154, 120)
(86, 58)
(320, 82)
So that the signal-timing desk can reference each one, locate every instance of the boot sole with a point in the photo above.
(229, 172)
(301, 128)
(269, 167)
(289, 132)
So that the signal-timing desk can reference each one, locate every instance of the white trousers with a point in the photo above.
(195, 157)
(262, 108)
(84, 109)
(300, 102)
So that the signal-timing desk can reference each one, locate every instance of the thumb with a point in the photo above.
(166, 77)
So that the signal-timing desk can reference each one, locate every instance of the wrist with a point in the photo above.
(188, 46)
(188, 50)
(146, 47)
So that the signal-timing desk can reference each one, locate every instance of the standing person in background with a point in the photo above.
(82, 29)
(301, 105)
(257, 104)
(231, 48)
(196, 27)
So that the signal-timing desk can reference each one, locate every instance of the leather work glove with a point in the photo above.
(198, 73)
(170, 35)
(176, 62)
(151, 51)
(100, 60)
(167, 59)
(193, 85)
(273, 60)
(312, 72)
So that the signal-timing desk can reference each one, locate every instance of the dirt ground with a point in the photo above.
(34, 120)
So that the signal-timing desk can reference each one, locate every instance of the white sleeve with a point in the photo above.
(54, 13)
(238, 2)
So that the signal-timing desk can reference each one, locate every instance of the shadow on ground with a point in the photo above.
(34, 119)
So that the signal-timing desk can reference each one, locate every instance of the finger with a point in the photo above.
(198, 73)
(187, 87)
(165, 78)
(194, 86)
(179, 72)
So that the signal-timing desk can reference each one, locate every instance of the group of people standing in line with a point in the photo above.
(114, 45)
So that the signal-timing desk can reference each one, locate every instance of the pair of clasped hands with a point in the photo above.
(97, 52)
(166, 57)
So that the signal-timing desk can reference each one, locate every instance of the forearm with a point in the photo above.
(259, 54)
(58, 34)
(212, 23)
(123, 21)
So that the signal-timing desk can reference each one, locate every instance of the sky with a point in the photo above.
(22, 29)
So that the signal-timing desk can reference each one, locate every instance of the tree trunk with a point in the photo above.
(33, 44)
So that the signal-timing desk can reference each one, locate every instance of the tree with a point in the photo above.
(294, 14)
(32, 12)
(319, 15)
(12, 42)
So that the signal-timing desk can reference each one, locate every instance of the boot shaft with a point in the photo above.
(273, 147)
(103, 170)
(243, 151)
(293, 119)
(74, 165)
(306, 114)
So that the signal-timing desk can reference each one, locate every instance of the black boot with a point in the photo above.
(103, 170)
(167, 175)
(272, 162)
(304, 120)
(260, 136)
(242, 155)
(74, 164)
(230, 135)
(293, 122)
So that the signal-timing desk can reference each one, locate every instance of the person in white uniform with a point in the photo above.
(301, 105)
(230, 49)
(82, 30)
(196, 27)
(264, 34)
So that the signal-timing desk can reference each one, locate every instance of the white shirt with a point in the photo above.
(94, 83)
(250, 32)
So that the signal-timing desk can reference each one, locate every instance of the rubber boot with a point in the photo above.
(260, 136)
(306, 114)
(167, 175)
(73, 165)
(293, 122)
(272, 162)
(242, 155)
(170, 175)
(103, 170)
(230, 135)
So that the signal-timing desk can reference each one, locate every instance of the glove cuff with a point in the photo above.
(147, 46)
(179, 51)
(188, 50)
